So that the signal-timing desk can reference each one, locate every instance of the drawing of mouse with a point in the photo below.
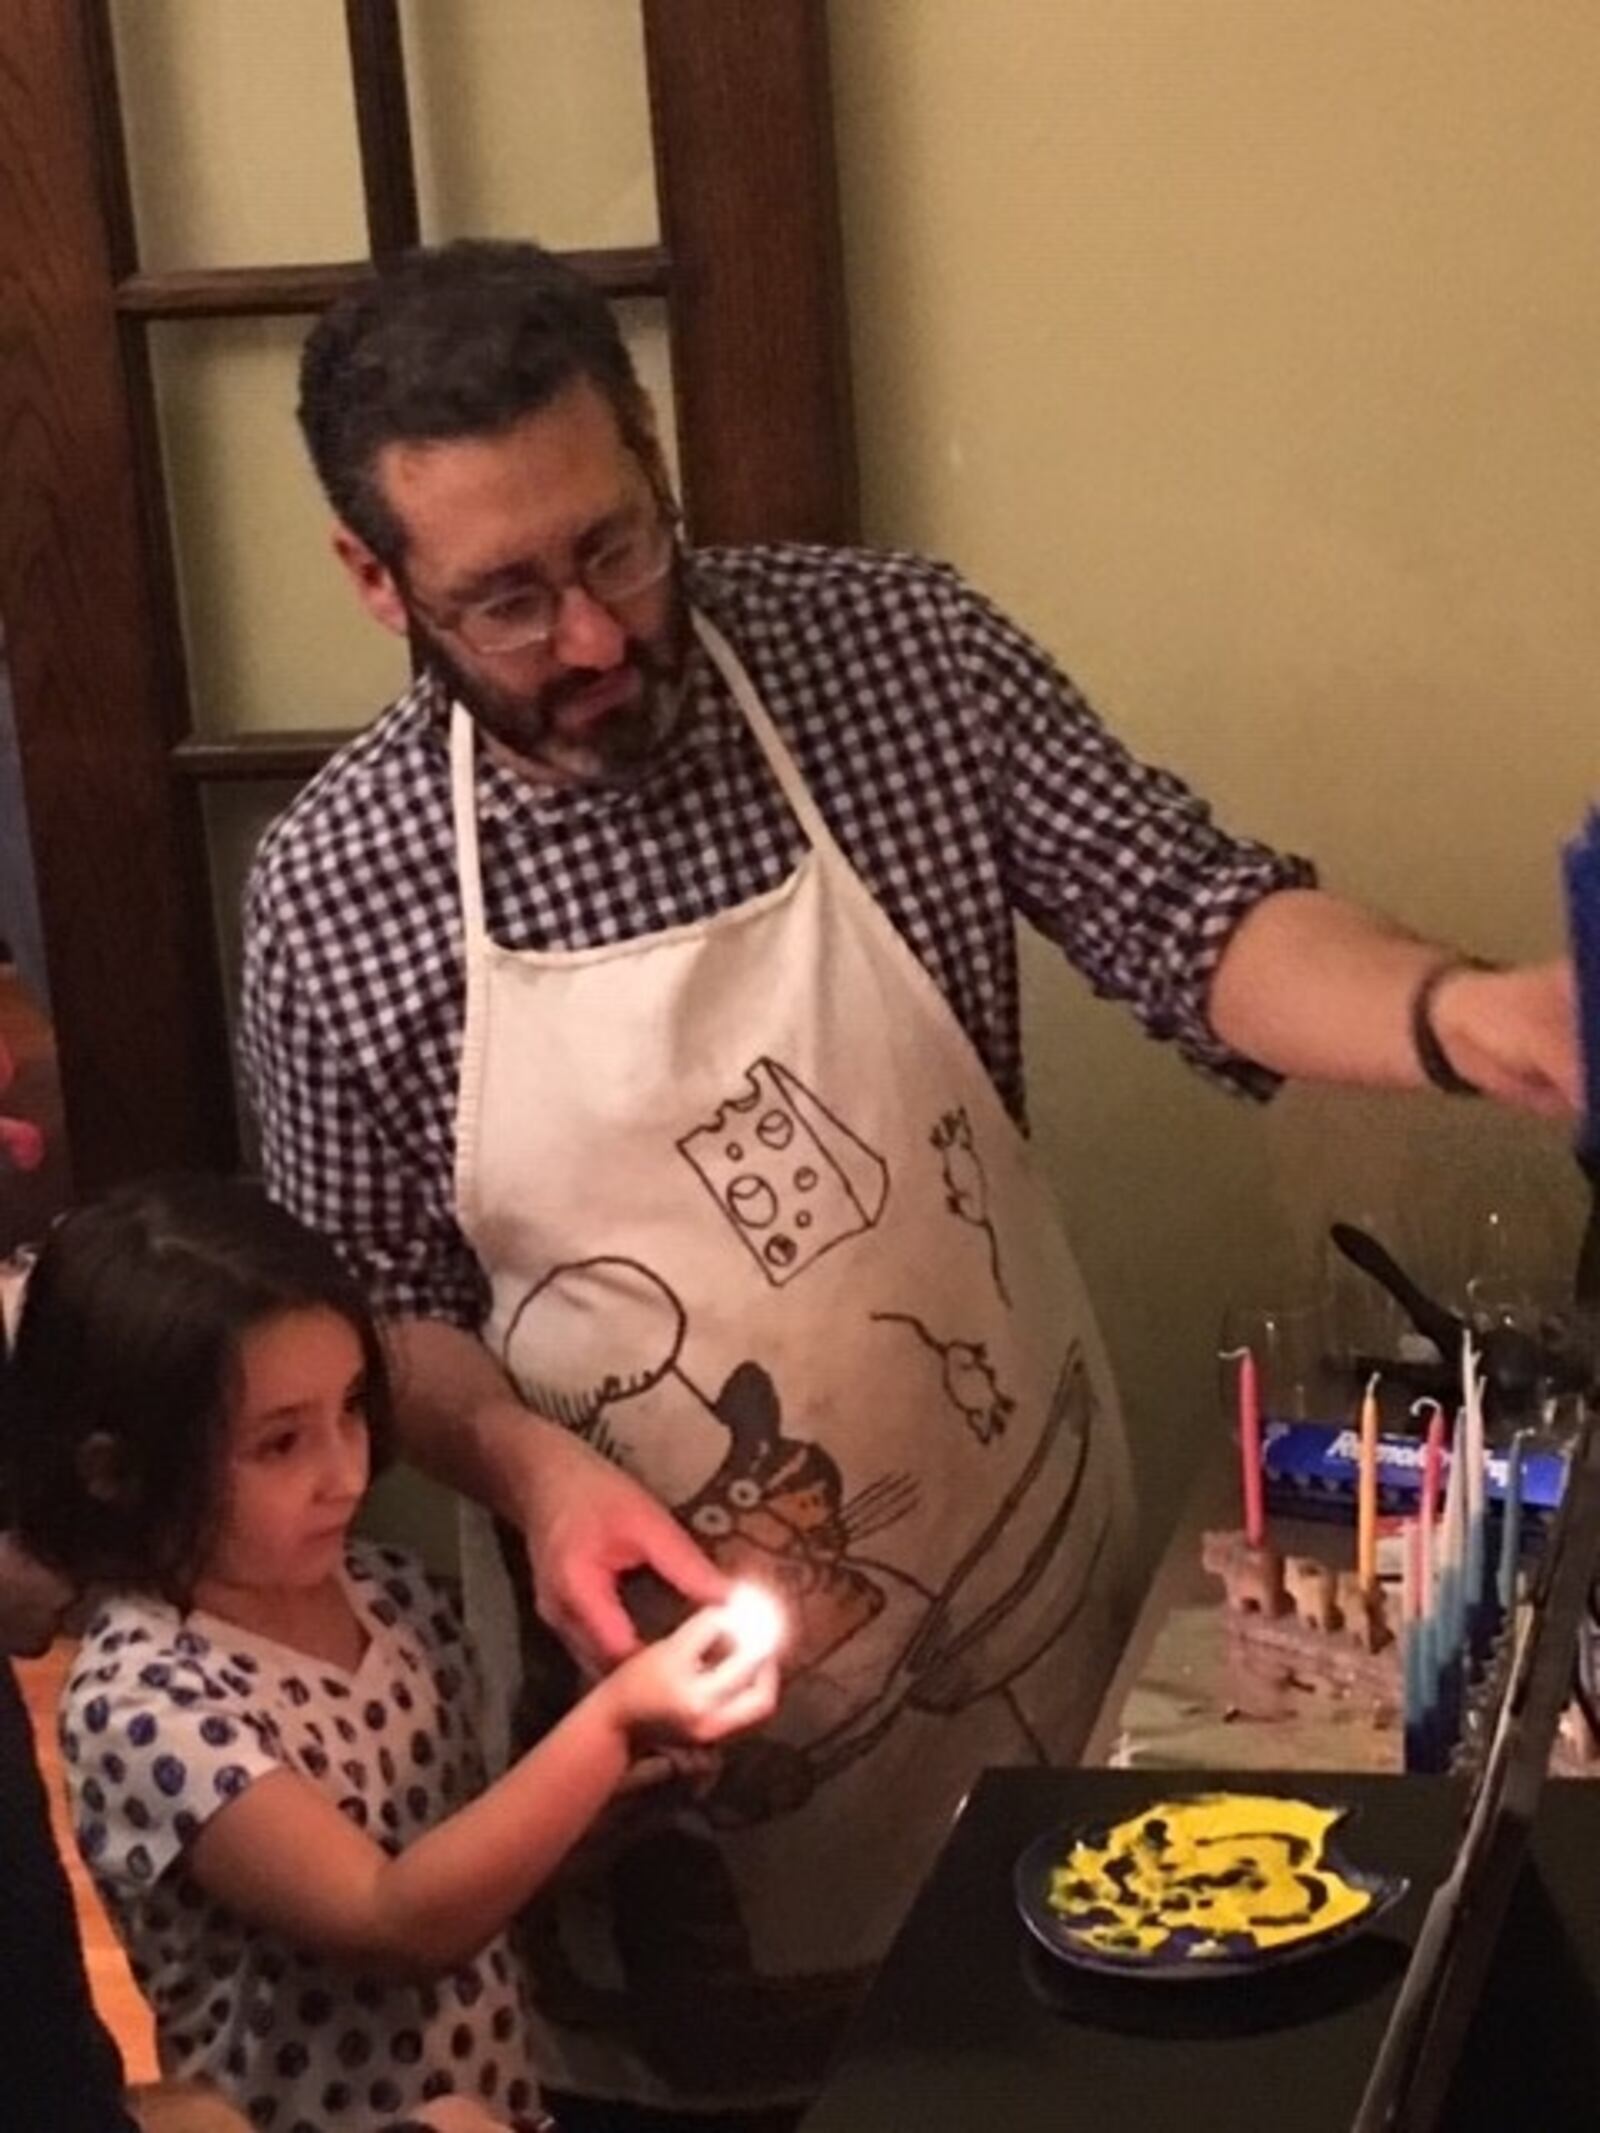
(970, 1384)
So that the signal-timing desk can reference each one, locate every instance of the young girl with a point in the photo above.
(270, 1731)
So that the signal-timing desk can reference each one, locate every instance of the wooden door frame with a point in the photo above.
(750, 263)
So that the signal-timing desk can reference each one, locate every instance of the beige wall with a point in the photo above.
(1249, 351)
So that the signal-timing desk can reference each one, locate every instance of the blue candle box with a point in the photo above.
(1311, 1471)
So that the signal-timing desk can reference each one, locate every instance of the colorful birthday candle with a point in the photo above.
(1451, 1602)
(1432, 1456)
(1511, 1527)
(1367, 1491)
(1428, 1609)
(1476, 1562)
(1411, 1701)
(1456, 1519)
(1255, 1516)
(1430, 1685)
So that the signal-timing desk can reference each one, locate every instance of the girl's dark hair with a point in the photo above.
(460, 340)
(131, 1330)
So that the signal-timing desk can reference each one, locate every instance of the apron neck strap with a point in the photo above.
(464, 808)
(780, 762)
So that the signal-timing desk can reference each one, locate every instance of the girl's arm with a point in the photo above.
(283, 1856)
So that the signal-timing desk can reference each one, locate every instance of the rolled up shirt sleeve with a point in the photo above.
(1118, 863)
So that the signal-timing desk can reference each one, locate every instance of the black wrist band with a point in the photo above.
(1431, 1055)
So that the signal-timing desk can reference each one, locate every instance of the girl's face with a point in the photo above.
(295, 1467)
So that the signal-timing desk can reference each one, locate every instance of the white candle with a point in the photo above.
(1472, 1414)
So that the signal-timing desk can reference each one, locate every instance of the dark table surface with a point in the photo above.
(971, 2026)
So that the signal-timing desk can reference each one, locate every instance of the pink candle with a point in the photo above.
(1255, 1516)
(1432, 1466)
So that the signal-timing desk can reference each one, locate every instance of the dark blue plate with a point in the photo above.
(1179, 1960)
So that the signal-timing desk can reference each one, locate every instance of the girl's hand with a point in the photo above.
(697, 1685)
(460, 2114)
(183, 2107)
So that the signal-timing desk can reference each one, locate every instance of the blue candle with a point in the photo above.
(1472, 1580)
(1413, 1703)
(1511, 1526)
(1427, 1652)
(1453, 1600)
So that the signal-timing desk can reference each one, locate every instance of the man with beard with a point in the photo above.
(635, 1003)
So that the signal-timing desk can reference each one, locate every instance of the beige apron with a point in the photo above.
(759, 1228)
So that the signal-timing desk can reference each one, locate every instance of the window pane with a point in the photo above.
(531, 119)
(241, 131)
(274, 635)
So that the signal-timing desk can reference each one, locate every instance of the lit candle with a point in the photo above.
(754, 1621)
(1367, 1491)
(1511, 1527)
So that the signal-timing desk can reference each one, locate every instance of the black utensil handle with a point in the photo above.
(1442, 1327)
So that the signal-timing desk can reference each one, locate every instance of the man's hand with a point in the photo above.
(1514, 1035)
(587, 1524)
(1315, 987)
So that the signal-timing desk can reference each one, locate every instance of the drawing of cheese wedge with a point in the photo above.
(791, 1177)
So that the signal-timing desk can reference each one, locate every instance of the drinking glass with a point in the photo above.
(1564, 1335)
(1366, 1328)
(1287, 1339)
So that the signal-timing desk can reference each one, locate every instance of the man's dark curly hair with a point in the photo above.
(457, 340)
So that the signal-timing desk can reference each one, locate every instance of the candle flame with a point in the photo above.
(756, 1622)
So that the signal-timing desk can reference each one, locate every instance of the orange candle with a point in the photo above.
(1255, 1516)
(1367, 1491)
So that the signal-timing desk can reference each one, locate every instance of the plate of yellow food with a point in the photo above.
(1200, 1885)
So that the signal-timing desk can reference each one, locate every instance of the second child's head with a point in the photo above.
(197, 1394)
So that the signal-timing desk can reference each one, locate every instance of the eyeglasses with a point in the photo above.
(628, 564)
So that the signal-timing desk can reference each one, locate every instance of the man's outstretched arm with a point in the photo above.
(1315, 987)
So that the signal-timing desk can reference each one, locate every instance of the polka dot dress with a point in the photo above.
(167, 1717)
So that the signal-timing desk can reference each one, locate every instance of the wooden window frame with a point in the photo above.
(748, 267)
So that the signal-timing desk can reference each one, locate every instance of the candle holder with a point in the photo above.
(1298, 1608)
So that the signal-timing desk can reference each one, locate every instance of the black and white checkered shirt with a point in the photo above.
(963, 776)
